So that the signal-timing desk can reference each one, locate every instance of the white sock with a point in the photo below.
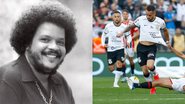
(117, 76)
(149, 78)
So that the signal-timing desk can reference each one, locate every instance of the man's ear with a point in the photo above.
(28, 47)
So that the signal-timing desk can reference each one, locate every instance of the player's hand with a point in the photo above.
(168, 44)
(127, 45)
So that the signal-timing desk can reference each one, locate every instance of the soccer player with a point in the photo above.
(115, 46)
(174, 84)
(133, 32)
(150, 34)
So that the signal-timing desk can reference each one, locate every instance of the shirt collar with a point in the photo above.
(26, 72)
(28, 75)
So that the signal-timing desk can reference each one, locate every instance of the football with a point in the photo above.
(134, 79)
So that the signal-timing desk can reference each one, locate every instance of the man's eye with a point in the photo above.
(44, 40)
(61, 43)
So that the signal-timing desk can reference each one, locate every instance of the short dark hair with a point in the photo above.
(115, 11)
(150, 8)
(46, 11)
(125, 10)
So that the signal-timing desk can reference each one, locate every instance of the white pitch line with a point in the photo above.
(171, 98)
(141, 99)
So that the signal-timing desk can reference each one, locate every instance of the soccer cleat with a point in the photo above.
(153, 91)
(149, 78)
(130, 83)
(156, 77)
(116, 86)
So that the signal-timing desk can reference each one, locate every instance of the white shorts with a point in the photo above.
(177, 84)
(129, 52)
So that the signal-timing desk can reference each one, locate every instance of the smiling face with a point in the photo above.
(47, 50)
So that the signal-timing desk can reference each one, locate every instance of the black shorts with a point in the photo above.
(112, 57)
(145, 53)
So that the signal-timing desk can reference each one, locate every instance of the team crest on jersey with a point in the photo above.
(150, 55)
(109, 61)
(151, 27)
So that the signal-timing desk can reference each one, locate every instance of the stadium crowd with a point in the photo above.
(171, 11)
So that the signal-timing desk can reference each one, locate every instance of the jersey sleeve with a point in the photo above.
(104, 35)
(137, 22)
(163, 25)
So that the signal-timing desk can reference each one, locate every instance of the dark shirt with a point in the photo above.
(18, 85)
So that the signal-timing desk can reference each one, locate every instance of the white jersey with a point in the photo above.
(110, 32)
(178, 84)
(150, 31)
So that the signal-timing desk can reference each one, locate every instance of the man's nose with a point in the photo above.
(53, 45)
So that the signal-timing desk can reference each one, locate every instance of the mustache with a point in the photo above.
(52, 52)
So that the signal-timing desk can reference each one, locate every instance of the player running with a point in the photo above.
(115, 46)
(149, 26)
(174, 84)
(133, 32)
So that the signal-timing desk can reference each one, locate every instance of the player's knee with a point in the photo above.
(146, 74)
(119, 64)
(111, 68)
(150, 67)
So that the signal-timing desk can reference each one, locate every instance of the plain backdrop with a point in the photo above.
(77, 65)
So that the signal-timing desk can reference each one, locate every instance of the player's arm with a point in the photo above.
(136, 35)
(128, 28)
(128, 38)
(166, 35)
(104, 37)
(179, 54)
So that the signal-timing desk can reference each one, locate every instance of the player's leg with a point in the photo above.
(124, 64)
(111, 60)
(132, 65)
(119, 63)
(151, 60)
(151, 67)
(118, 73)
(111, 68)
(130, 52)
(150, 64)
(142, 59)
(146, 73)
(162, 82)
(124, 72)
(122, 57)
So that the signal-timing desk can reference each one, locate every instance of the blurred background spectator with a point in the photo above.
(169, 10)
(97, 45)
(178, 40)
(169, 18)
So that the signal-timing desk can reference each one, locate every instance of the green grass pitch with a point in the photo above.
(104, 93)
